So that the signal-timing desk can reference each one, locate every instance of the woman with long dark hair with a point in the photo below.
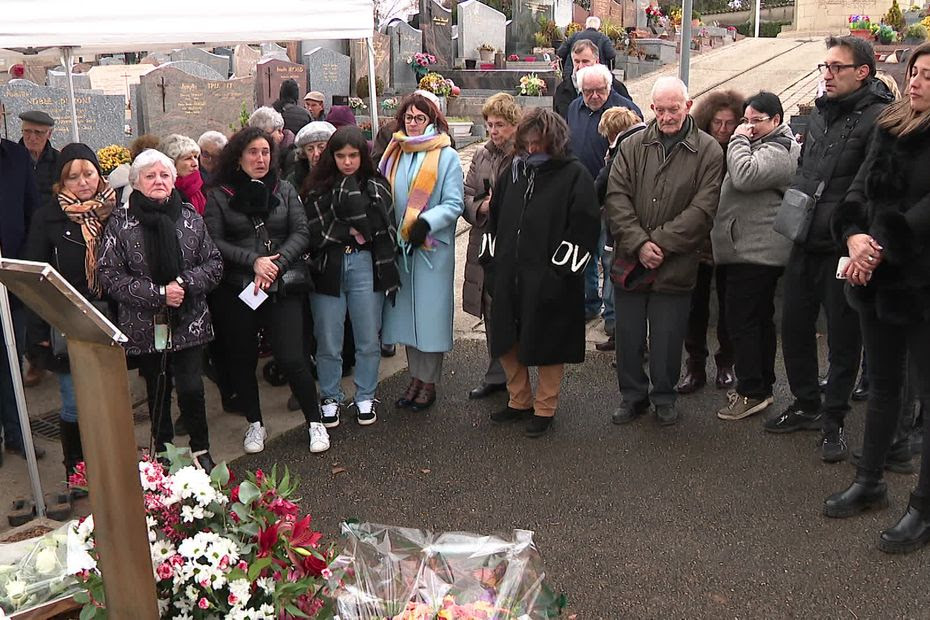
(352, 241)
(260, 227)
(885, 226)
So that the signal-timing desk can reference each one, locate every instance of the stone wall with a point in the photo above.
(831, 16)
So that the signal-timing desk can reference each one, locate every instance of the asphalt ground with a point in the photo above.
(705, 519)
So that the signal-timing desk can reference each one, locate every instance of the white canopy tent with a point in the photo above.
(86, 28)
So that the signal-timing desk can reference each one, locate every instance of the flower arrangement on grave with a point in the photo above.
(389, 104)
(653, 13)
(218, 549)
(420, 62)
(860, 22)
(38, 575)
(110, 157)
(357, 104)
(886, 34)
(572, 28)
(532, 85)
(513, 58)
(434, 83)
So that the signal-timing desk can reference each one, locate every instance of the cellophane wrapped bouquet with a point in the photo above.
(394, 573)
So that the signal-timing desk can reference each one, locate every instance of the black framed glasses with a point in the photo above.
(419, 119)
(834, 68)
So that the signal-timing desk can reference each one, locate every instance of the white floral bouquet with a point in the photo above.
(34, 572)
(219, 550)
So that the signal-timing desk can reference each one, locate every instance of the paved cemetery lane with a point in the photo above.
(703, 519)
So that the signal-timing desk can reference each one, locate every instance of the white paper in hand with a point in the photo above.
(252, 299)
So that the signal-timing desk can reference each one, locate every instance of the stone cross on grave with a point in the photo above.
(161, 86)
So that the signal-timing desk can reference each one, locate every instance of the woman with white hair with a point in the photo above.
(311, 141)
(271, 122)
(211, 144)
(185, 153)
(161, 292)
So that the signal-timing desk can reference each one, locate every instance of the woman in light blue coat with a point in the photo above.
(427, 182)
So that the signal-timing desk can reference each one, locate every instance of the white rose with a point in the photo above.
(15, 589)
(46, 561)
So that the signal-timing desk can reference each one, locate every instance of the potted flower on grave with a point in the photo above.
(110, 158)
(357, 104)
(486, 52)
(653, 13)
(459, 126)
(886, 34)
(420, 63)
(434, 82)
(860, 26)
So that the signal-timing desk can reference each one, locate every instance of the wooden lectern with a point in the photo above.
(101, 384)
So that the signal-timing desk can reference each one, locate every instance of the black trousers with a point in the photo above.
(281, 316)
(810, 282)
(889, 349)
(750, 304)
(699, 319)
(181, 373)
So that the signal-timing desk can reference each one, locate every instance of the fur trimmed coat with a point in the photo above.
(890, 200)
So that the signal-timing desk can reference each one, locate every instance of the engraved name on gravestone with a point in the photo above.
(436, 24)
(218, 63)
(271, 73)
(328, 73)
(526, 16)
(382, 47)
(171, 101)
(480, 24)
(100, 118)
(405, 42)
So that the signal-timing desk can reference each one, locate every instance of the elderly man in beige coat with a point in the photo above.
(662, 195)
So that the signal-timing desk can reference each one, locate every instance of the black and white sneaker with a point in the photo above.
(366, 413)
(329, 412)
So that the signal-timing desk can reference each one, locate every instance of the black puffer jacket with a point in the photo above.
(838, 129)
(890, 200)
(45, 173)
(234, 233)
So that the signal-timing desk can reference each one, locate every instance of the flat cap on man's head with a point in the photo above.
(314, 95)
(39, 117)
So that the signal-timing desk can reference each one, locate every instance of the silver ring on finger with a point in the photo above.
(871, 258)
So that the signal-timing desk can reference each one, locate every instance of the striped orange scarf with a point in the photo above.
(92, 216)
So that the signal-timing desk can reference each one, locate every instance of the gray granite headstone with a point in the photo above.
(218, 63)
(171, 101)
(273, 50)
(101, 118)
(244, 60)
(59, 79)
(382, 47)
(526, 15)
(328, 72)
(405, 42)
(479, 24)
(110, 60)
(196, 69)
(269, 74)
(228, 53)
(135, 111)
(156, 58)
(436, 24)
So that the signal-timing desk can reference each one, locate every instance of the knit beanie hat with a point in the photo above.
(75, 150)
(340, 116)
(317, 131)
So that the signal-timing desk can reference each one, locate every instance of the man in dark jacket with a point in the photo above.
(662, 194)
(37, 131)
(584, 54)
(591, 32)
(834, 149)
(18, 201)
(295, 115)
(589, 146)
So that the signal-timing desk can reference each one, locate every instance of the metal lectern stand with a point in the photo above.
(101, 384)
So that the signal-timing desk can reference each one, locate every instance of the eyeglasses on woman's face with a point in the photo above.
(416, 119)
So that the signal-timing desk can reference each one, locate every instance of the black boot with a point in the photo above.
(898, 460)
(70, 436)
(912, 531)
(864, 493)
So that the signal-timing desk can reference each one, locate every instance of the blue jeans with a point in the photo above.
(364, 305)
(9, 411)
(69, 412)
(607, 258)
(593, 298)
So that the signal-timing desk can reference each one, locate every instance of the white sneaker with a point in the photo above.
(254, 438)
(366, 412)
(319, 438)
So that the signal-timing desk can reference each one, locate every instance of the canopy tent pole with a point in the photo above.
(9, 338)
(758, 17)
(372, 87)
(684, 62)
(67, 60)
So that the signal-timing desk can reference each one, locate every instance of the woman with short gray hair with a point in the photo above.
(158, 263)
(185, 154)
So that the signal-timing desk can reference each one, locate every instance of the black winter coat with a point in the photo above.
(295, 116)
(837, 140)
(19, 198)
(890, 200)
(234, 233)
(45, 172)
(541, 233)
(605, 48)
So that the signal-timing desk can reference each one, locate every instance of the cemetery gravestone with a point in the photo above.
(101, 118)
(59, 79)
(196, 69)
(479, 24)
(218, 63)
(436, 24)
(273, 50)
(117, 80)
(526, 15)
(270, 74)
(328, 73)
(244, 60)
(382, 47)
(405, 42)
(171, 101)
(110, 60)
(228, 53)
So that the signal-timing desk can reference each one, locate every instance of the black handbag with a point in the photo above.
(296, 278)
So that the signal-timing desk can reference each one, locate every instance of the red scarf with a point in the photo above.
(191, 188)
